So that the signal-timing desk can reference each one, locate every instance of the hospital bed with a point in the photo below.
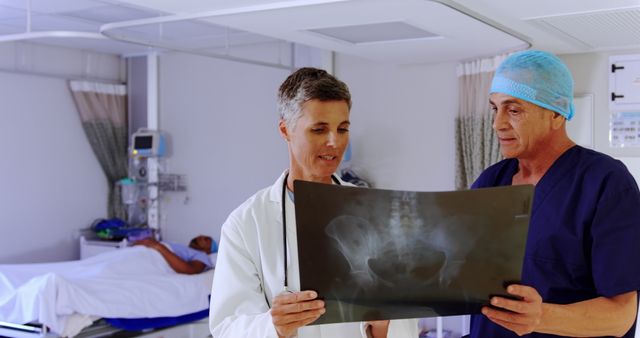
(196, 329)
(131, 286)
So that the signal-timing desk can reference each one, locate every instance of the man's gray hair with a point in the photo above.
(308, 84)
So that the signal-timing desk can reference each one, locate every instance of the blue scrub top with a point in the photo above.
(188, 254)
(584, 233)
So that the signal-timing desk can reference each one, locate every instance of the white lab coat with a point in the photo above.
(250, 273)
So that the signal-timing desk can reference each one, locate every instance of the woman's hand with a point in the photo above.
(291, 311)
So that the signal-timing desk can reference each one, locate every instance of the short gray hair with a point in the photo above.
(307, 84)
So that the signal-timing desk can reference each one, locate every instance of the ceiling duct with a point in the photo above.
(595, 30)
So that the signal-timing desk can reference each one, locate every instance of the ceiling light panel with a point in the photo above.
(375, 32)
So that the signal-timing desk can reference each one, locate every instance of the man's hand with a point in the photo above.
(520, 316)
(291, 311)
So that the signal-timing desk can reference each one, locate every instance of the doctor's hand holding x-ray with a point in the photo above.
(292, 310)
(258, 256)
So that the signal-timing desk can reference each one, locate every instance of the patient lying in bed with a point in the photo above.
(182, 259)
(134, 282)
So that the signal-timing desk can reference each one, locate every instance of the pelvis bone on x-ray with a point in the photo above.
(381, 254)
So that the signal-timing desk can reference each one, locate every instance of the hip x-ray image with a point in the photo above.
(380, 254)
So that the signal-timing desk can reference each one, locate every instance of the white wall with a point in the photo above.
(52, 184)
(222, 119)
(591, 75)
(402, 133)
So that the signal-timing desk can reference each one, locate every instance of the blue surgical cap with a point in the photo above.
(537, 77)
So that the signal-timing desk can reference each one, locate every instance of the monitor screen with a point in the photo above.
(143, 142)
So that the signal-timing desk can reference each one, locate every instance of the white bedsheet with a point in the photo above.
(131, 282)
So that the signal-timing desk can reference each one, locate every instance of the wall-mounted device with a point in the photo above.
(148, 143)
(624, 83)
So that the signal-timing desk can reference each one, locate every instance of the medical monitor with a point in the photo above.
(376, 254)
(148, 143)
(143, 142)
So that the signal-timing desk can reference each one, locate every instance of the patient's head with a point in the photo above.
(201, 243)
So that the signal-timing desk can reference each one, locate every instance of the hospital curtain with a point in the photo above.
(102, 109)
(476, 144)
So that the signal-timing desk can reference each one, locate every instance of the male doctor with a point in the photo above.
(256, 288)
(580, 274)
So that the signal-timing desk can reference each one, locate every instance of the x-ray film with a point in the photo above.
(380, 254)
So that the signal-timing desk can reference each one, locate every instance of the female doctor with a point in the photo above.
(256, 287)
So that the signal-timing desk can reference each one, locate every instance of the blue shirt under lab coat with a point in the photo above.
(584, 233)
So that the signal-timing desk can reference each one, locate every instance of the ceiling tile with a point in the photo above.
(181, 29)
(52, 6)
(4, 29)
(596, 29)
(112, 13)
(376, 32)
(11, 13)
(100, 46)
(223, 42)
(42, 22)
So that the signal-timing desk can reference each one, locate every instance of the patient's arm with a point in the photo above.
(379, 328)
(177, 264)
